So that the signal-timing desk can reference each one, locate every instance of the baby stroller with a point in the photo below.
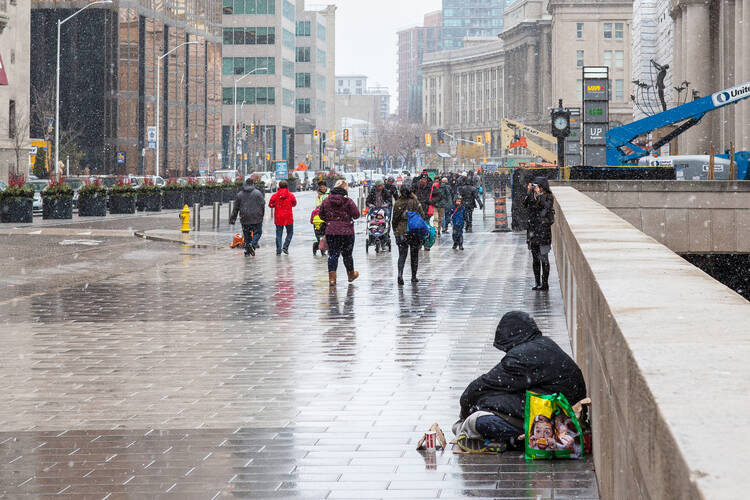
(378, 230)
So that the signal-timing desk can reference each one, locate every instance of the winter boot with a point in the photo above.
(537, 275)
(315, 248)
(545, 278)
(332, 278)
(353, 275)
(400, 280)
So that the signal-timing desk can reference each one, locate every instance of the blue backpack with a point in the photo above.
(417, 226)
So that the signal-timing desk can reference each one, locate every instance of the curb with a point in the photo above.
(189, 244)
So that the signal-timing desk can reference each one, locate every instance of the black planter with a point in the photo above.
(173, 199)
(293, 185)
(193, 196)
(150, 202)
(212, 196)
(121, 204)
(228, 194)
(17, 211)
(57, 208)
(92, 207)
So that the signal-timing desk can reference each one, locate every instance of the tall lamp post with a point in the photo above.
(57, 90)
(234, 130)
(158, 98)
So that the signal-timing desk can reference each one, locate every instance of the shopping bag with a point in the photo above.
(429, 240)
(237, 241)
(551, 428)
(323, 244)
(431, 208)
(417, 226)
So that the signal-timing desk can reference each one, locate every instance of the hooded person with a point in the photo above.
(250, 205)
(339, 212)
(471, 199)
(532, 362)
(282, 202)
(540, 204)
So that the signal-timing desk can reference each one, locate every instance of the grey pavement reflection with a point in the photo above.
(213, 375)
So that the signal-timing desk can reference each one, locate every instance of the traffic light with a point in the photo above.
(346, 135)
(479, 139)
(268, 156)
(441, 136)
(324, 158)
(333, 136)
(428, 140)
(252, 128)
(488, 137)
(316, 134)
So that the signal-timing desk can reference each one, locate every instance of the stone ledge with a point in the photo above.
(658, 186)
(664, 349)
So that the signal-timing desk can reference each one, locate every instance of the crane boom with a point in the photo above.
(509, 129)
(620, 138)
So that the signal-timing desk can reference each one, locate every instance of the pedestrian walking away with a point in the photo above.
(339, 212)
(436, 202)
(458, 219)
(540, 203)
(250, 205)
(282, 202)
(446, 201)
(406, 242)
(492, 406)
(471, 199)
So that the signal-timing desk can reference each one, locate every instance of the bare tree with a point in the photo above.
(395, 139)
(43, 111)
(20, 142)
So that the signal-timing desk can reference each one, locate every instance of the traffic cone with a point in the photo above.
(501, 214)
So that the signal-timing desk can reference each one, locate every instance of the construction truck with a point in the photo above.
(517, 135)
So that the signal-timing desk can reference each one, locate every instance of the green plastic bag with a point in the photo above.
(551, 428)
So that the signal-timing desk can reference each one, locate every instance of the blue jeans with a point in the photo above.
(458, 235)
(279, 234)
(499, 430)
(252, 233)
(446, 219)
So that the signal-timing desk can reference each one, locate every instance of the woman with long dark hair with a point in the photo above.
(540, 203)
(406, 242)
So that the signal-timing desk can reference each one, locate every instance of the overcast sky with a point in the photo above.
(366, 36)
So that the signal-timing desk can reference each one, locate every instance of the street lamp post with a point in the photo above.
(234, 130)
(57, 89)
(158, 98)
(244, 141)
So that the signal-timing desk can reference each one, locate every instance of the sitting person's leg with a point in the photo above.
(499, 430)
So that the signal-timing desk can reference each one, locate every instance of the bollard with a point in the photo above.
(216, 215)
(230, 209)
(501, 213)
(197, 217)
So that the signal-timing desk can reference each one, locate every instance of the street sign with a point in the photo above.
(595, 114)
(151, 137)
(282, 170)
(596, 134)
(121, 157)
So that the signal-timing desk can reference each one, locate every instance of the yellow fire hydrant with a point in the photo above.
(185, 217)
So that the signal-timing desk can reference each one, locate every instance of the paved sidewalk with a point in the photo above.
(216, 375)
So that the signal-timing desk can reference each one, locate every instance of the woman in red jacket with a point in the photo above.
(282, 202)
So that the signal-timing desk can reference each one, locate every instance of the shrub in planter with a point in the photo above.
(92, 199)
(122, 197)
(57, 200)
(229, 190)
(332, 178)
(193, 192)
(17, 201)
(212, 192)
(293, 183)
(173, 194)
(148, 196)
(259, 184)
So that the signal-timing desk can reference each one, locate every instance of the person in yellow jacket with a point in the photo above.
(322, 193)
(319, 226)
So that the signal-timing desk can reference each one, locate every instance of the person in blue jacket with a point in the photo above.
(458, 219)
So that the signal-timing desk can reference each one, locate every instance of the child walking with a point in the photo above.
(319, 226)
(458, 220)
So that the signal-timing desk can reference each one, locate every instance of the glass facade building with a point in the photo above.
(472, 18)
(109, 60)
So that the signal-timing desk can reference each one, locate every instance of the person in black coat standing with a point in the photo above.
(470, 197)
(532, 362)
(540, 203)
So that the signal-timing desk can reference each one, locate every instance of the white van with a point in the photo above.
(689, 167)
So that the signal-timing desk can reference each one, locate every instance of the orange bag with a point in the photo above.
(237, 241)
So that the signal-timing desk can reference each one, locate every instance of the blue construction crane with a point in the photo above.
(620, 139)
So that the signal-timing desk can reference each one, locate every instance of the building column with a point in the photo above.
(738, 75)
(744, 75)
(545, 88)
(532, 96)
(698, 71)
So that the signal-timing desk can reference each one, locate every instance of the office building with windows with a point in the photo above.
(351, 84)
(413, 44)
(108, 86)
(14, 88)
(470, 18)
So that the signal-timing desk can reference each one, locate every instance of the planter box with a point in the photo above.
(212, 196)
(192, 197)
(57, 208)
(228, 195)
(149, 202)
(121, 205)
(17, 211)
(173, 199)
(92, 207)
(293, 185)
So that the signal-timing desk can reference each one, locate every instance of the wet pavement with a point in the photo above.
(204, 374)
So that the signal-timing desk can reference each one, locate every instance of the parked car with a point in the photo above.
(137, 180)
(226, 175)
(76, 183)
(38, 186)
(2, 186)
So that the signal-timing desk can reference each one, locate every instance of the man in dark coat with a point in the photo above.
(380, 197)
(250, 205)
(390, 186)
(532, 362)
(470, 198)
(422, 190)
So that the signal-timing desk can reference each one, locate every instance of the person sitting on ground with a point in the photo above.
(492, 406)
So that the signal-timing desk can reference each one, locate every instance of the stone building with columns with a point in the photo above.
(712, 52)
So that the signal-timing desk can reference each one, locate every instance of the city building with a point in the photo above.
(14, 88)
(712, 53)
(592, 33)
(413, 44)
(259, 53)
(361, 113)
(351, 84)
(464, 92)
(470, 18)
(652, 51)
(108, 85)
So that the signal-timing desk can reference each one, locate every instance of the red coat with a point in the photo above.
(282, 202)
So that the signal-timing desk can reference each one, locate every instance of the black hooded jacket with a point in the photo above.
(541, 214)
(531, 362)
(250, 205)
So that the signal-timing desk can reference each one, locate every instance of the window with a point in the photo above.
(303, 28)
(234, 7)
(579, 58)
(608, 58)
(607, 30)
(321, 57)
(619, 90)
(243, 65)
(579, 89)
(619, 59)
(249, 36)
(288, 68)
(303, 54)
(321, 32)
(303, 80)
(341, 83)
(289, 10)
(579, 30)
(287, 98)
(303, 106)
(11, 119)
(288, 39)
(321, 82)
(619, 31)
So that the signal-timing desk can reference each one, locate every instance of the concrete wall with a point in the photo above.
(686, 216)
(663, 348)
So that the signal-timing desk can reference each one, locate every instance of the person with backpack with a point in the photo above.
(406, 241)
(458, 218)
(250, 206)
(540, 202)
